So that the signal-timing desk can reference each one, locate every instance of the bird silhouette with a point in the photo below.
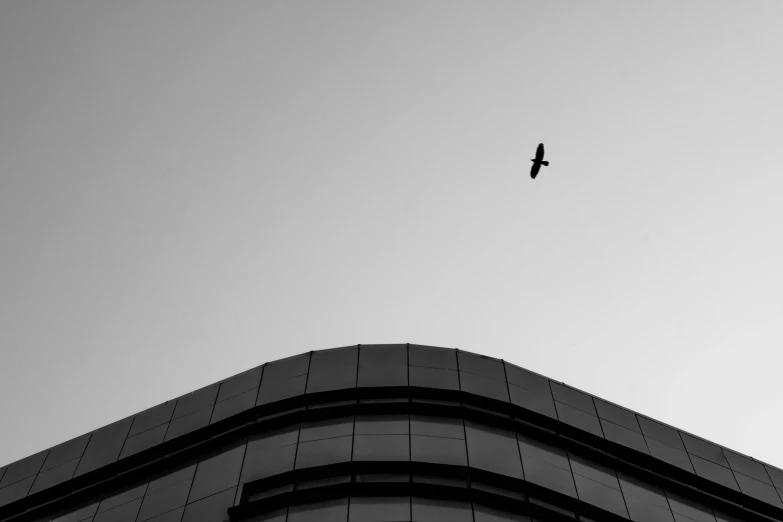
(538, 161)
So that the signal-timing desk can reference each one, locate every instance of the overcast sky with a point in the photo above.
(189, 189)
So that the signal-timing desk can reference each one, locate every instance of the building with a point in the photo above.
(374, 433)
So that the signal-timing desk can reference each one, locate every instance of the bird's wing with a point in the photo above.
(540, 152)
(534, 170)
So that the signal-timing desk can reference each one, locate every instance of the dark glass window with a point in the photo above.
(236, 404)
(688, 508)
(241, 383)
(81, 513)
(660, 432)
(588, 468)
(534, 448)
(175, 477)
(125, 513)
(438, 450)
(704, 449)
(437, 427)
(379, 509)
(382, 425)
(104, 446)
(143, 440)
(188, 423)
(578, 418)
(486, 367)
(171, 516)
(370, 376)
(532, 401)
(121, 498)
(673, 456)
(65, 452)
(163, 500)
(573, 398)
(54, 476)
(283, 379)
(528, 380)
(617, 415)
(600, 495)
(432, 357)
(383, 355)
(758, 490)
(24, 468)
(624, 436)
(330, 511)
(714, 472)
(277, 390)
(432, 510)
(645, 502)
(322, 452)
(381, 447)
(548, 476)
(747, 466)
(493, 450)
(333, 369)
(155, 416)
(326, 429)
(433, 378)
(488, 514)
(15, 491)
(210, 509)
(776, 475)
(270, 454)
(197, 400)
(483, 386)
(217, 473)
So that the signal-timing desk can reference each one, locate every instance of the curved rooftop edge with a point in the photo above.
(411, 378)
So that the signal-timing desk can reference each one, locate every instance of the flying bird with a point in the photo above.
(538, 161)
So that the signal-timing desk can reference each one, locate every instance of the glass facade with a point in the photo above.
(388, 433)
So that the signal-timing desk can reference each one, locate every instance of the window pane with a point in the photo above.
(155, 416)
(438, 450)
(493, 450)
(600, 495)
(431, 510)
(673, 456)
(660, 432)
(548, 476)
(322, 452)
(572, 397)
(236, 404)
(382, 424)
(333, 369)
(54, 476)
(578, 419)
(747, 466)
(379, 509)
(78, 514)
(532, 401)
(482, 386)
(624, 436)
(164, 500)
(432, 357)
(15, 491)
(617, 415)
(24, 468)
(714, 472)
(65, 452)
(284, 378)
(383, 355)
(331, 511)
(195, 401)
(270, 454)
(143, 440)
(383, 376)
(217, 473)
(381, 447)
(433, 378)
(210, 509)
(121, 498)
(488, 514)
(189, 423)
(486, 367)
(528, 380)
(537, 449)
(175, 477)
(104, 446)
(326, 429)
(594, 471)
(241, 383)
(437, 427)
(125, 513)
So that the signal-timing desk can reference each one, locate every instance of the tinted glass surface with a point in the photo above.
(493, 449)
(232, 406)
(54, 476)
(65, 452)
(104, 446)
(533, 401)
(15, 491)
(210, 509)
(143, 440)
(23, 468)
(188, 423)
(121, 498)
(381, 447)
(430, 510)
(217, 473)
(124, 513)
(239, 384)
(481, 365)
(432, 357)
(573, 398)
(433, 378)
(160, 414)
(333, 370)
(379, 509)
(331, 511)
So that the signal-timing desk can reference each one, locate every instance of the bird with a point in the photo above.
(538, 161)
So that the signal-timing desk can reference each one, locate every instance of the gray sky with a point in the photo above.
(189, 189)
